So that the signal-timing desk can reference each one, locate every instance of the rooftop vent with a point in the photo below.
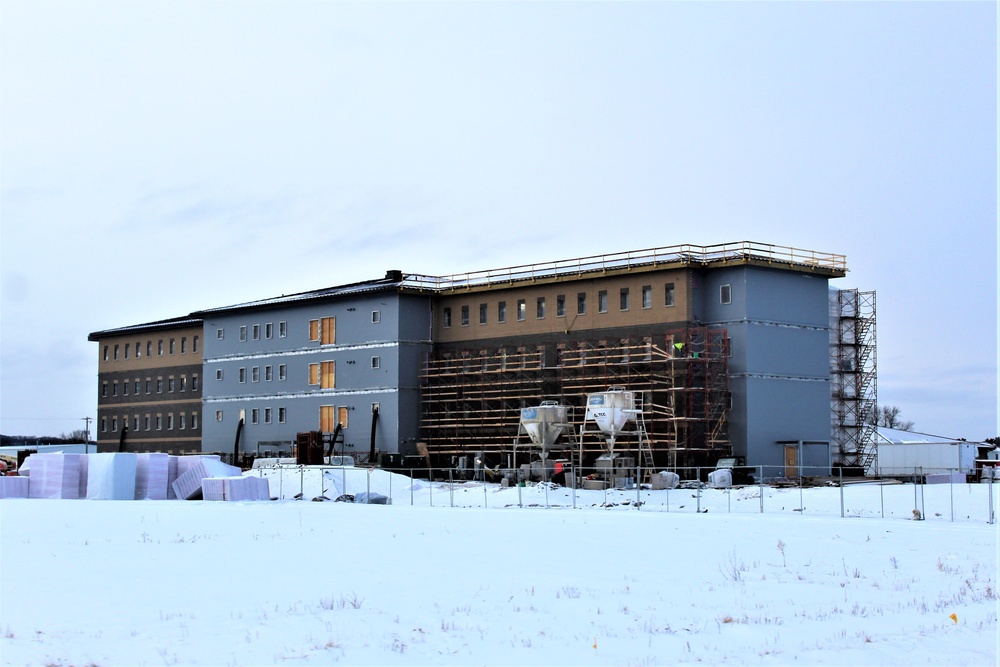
(394, 275)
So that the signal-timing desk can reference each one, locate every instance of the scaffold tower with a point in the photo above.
(853, 375)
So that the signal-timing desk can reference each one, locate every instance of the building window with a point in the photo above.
(376, 362)
(138, 354)
(159, 385)
(184, 382)
(267, 415)
(281, 415)
(483, 310)
(668, 294)
(561, 305)
(282, 329)
(268, 374)
(105, 353)
(255, 374)
(254, 416)
(116, 352)
(184, 344)
(282, 371)
(725, 294)
(502, 312)
(104, 389)
(314, 374)
(114, 388)
(465, 316)
(170, 384)
(138, 387)
(145, 422)
(194, 345)
(581, 303)
(623, 299)
(125, 388)
(602, 301)
(218, 373)
(170, 422)
(342, 416)
(127, 346)
(323, 330)
(171, 346)
(182, 422)
(220, 333)
(159, 422)
(269, 330)
(149, 385)
(647, 297)
(256, 332)
(149, 348)
(218, 415)
(446, 317)
(104, 424)
(194, 382)
(522, 310)
(540, 308)
(194, 420)
(323, 374)
(243, 375)
(243, 334)
(114, 424)
(159, 348)
(376, 316)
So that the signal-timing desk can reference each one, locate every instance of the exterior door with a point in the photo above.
(791, 460)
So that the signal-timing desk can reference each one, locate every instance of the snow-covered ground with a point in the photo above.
(314, 583)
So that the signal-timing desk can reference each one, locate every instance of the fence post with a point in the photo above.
(302, 483)
(841, 471)
(486, 498)
(881, 496)
(368, 484)
(411, 486)
(991, 497)
(517, 477)
(697, 479)
(951, 494)
(760, 477)
(923, 509)
(451, 489)
(802, 510)
(638, 485)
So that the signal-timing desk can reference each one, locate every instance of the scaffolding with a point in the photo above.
(853, 377)
(471, 398)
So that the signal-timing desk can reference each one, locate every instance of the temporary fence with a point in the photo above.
(934, 495)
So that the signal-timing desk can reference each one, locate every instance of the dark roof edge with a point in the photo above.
(172, 323)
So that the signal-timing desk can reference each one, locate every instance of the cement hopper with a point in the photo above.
(611, 409)
(545, 423)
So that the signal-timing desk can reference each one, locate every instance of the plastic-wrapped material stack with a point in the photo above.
(14, 487)
(720, 479)
(181, 464)
(171, 476)
(263, 488)
(187, 486)
(232, 488)
(151, 472)
(665, 480)
(111, 476)
(55, 476)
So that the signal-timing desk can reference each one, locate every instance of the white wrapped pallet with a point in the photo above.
(263, 488)
(111, 476)
(230, 488)
(720, 479)
(171, 476)
(151, 472)
(14, 487)
(665, 480)
(179, 465)
(55, 476)
(188, 485)
(84, 460)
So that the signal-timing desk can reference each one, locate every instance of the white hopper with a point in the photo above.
(545, 423)
(111, 476)
(55, 476)
(611, 409)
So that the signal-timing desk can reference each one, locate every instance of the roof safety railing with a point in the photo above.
(679, 254)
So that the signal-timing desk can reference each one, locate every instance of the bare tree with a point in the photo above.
(888, 416)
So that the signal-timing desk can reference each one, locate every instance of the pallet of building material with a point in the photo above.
(14, 487)
(111, 476)
(263, 487)
(720, 479)
(189, 485)
(54, 476)
(181, 464)
(232, 489)
(664, 480)
(151, 472)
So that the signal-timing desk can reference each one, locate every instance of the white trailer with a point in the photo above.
(906, 454)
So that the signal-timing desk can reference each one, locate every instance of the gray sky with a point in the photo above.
(158, 158)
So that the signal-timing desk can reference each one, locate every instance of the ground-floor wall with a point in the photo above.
(781, 413)
(270, 424)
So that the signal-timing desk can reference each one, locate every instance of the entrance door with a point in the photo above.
(791, 460)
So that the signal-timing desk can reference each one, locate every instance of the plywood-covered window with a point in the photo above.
(323, 330)
(314, 330)
(327, 413)
(313, 373)
(342, 416)
(323, 374)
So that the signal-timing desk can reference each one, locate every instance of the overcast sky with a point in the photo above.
(158, 158)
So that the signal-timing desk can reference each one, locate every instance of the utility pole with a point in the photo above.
(86, 436)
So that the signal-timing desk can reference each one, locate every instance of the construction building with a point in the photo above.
(728, 349)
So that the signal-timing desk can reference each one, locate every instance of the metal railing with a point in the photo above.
(940, 495)
(679, 254)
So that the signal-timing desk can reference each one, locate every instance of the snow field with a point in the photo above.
(309, 583)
